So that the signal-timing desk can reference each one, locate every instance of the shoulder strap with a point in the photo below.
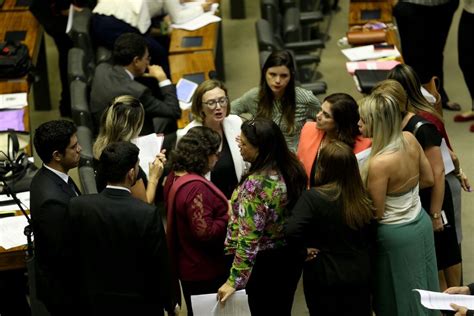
(418, 125)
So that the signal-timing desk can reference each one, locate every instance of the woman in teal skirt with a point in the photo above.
(396, 169)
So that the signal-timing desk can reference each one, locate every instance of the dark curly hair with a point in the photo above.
(192, 152)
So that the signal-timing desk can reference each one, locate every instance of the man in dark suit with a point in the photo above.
(119, 244)
(131, 60)
(51, 189)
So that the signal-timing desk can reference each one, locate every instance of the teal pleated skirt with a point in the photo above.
(405, 260)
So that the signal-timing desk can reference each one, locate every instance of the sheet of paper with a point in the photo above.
(197, 23)
(206, 304)
(9, 204)
(12, 119)
(11, 231)
(150, 146)
(448, 162)
(441, 301)
(213, 9)
(70, 19)
(369, 52)
(363, 156)
(13, 100)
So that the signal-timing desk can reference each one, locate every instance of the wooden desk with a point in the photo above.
(363, 12)
(13, 258)
(208, 34)
(25, 21)
(188, 64)
(11, 5)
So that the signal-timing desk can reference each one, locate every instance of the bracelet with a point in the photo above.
(460, 173)
(153, 182)
(435, 215)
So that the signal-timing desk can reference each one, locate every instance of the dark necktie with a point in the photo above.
(72, 186)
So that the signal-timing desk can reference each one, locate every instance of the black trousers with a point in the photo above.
(272, 283)
(423, 33)
(55, 26)
(466, 50)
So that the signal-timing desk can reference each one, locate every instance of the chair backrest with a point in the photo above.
(81, 114)
(269, 10)
(86, 168)
(77, 69)
(292, 26)
(103, 55)
(80, 35)
(265, 36)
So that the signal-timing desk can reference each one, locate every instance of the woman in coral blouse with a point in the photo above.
(337, 120)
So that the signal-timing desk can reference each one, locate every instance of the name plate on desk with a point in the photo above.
(13, 101)
(191, 41)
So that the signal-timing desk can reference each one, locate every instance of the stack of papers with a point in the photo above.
(442, 301)
(369, 52)
(11, 231)
(197, 23)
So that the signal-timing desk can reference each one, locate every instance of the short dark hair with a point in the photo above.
(116, 160)
(52, 136)
(192, 152)
(128, 46)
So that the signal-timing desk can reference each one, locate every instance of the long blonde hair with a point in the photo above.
(122, 121)
(382, 112)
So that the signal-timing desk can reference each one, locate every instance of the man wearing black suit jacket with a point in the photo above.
(119, 244)
(51, 189)
(131, 60)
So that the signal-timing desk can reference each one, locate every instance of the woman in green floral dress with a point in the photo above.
(260, 209)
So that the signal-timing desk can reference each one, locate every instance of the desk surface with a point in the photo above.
(20, 21)
(13, 258)
(208, 34)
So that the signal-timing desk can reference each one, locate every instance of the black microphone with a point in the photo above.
(212, 75)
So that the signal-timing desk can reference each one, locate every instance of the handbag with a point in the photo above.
(366, 37)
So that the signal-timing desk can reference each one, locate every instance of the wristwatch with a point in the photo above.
(435, 215)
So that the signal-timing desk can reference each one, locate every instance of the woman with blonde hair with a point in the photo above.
(393, 174)
(211, 108)
(438, 198)
(123, 121)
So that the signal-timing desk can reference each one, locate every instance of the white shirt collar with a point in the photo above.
(129, 73)
(60, 174)
(118, 188)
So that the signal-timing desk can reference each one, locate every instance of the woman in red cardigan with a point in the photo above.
(197, 215)
(337, 120)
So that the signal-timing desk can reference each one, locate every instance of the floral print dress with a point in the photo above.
(256, 222)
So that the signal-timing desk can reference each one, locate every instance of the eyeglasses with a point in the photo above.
(212, 104)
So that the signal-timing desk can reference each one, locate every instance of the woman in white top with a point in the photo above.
(114, 17)
(395, 170)
(211, 108)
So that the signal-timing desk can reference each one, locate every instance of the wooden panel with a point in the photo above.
(357, 8)
(10, 5)
(187, 64)
(208, 34)
(13, 258)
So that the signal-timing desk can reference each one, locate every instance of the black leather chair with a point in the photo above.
(81, 114)
(86, 168)
(80, 35)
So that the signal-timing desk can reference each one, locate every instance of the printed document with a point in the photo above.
(150, 146)
(441, 301)
(207, 304)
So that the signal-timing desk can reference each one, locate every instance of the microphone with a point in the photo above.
(213, 75)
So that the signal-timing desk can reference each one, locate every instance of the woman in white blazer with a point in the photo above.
(211, 108)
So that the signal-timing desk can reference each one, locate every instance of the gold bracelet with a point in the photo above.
(460, 173)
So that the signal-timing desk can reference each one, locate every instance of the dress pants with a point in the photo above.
(423, 33)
